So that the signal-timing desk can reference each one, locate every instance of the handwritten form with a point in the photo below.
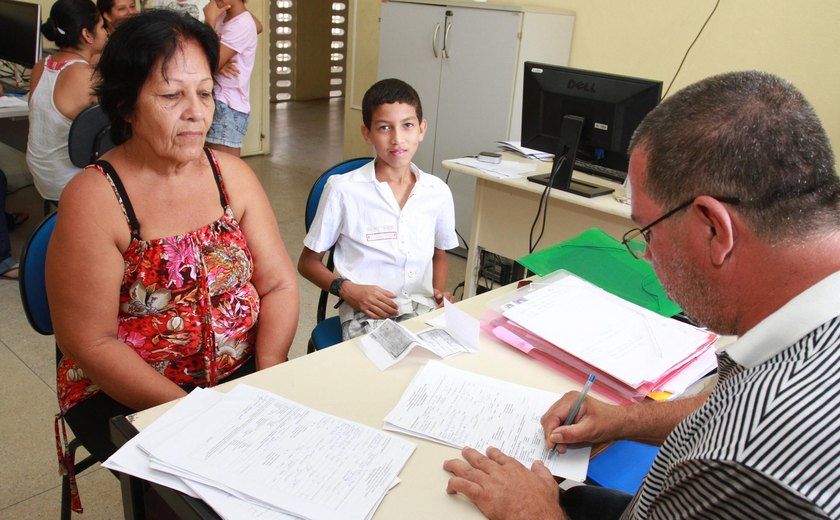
(460, 408)
(279, 455)
(622, 339)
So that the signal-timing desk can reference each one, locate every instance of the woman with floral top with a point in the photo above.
(166, 270)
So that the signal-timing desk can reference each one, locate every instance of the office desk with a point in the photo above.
(505, 209)
(342, 381)
(14, 111)
(14, 130)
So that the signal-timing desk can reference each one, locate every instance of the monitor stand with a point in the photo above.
(564, 160)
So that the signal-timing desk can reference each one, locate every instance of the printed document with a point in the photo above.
(460, 409)
(277, 454)
(529, 153)
(130, 459)
(502, 170)
(613, 335)
(392, 342)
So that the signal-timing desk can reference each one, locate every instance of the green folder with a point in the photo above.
(604, 261)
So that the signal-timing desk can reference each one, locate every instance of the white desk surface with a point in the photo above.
(341, 381)
(14, 111)
(506, 209)
(605, 203)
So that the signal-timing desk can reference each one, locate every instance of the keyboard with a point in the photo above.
(600, 171)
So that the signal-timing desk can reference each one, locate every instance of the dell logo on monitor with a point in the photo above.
(581, 85)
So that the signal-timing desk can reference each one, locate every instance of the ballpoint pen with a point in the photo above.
(570, 418)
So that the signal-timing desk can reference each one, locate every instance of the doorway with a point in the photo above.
(308, 49)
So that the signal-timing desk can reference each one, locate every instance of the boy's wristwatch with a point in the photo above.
(335, 286)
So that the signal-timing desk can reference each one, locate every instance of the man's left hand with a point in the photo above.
(503, 488)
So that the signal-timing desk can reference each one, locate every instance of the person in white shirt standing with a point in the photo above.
(390, 222)
(237, 32)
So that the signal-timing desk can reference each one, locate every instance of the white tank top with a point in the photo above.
(47, 155)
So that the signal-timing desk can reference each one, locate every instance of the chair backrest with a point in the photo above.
(312, 208)
(33, 289)
(318, 188)
(90, 136)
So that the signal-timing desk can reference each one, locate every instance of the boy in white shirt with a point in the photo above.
(390, 223)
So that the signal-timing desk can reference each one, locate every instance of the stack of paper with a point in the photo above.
(460, 409)
(502, 170)
(529, 153)
(615, 338)
(251, 453)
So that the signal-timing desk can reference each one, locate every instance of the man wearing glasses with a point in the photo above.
(738, 206)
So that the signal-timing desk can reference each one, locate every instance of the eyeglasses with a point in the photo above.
(637, 247)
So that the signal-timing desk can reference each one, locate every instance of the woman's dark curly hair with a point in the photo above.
(134, 49)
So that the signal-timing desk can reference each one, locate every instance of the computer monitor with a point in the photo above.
(583, 116)
(20, 32)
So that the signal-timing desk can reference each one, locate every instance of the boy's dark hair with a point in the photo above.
(66, 21)
(388, 91)
(136, 46)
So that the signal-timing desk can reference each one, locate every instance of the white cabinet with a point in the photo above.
(466, 62)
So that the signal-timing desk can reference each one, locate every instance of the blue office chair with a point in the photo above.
(33, 295)
(33, 289)
(327, 331)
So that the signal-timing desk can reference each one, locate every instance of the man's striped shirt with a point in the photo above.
(766, 443)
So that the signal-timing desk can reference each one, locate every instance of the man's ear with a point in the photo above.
(721, 232)
(424, 124)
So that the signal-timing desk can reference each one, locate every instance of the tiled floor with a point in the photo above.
(306, 139)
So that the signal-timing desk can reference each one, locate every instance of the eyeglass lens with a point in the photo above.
(635, 243)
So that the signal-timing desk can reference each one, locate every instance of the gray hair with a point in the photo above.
(750, 135)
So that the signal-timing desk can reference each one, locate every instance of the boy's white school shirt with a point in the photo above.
(376, 242)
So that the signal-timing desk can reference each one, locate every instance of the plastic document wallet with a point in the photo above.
(623, 465)
(604, 261)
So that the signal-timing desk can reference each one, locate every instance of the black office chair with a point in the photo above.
(327, 331)
(90, 136)
(33, 295)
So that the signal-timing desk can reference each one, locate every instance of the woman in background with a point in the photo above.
(237, 30)
(113, 11)
(61, 87)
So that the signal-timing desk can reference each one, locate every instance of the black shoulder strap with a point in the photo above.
(133, 224)
(217, 176)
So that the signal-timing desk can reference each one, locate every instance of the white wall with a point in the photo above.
(648, 38)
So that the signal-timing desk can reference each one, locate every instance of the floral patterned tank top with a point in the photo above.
(187, 305)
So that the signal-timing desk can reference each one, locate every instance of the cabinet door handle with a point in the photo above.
(434, 40)
(445, 51)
